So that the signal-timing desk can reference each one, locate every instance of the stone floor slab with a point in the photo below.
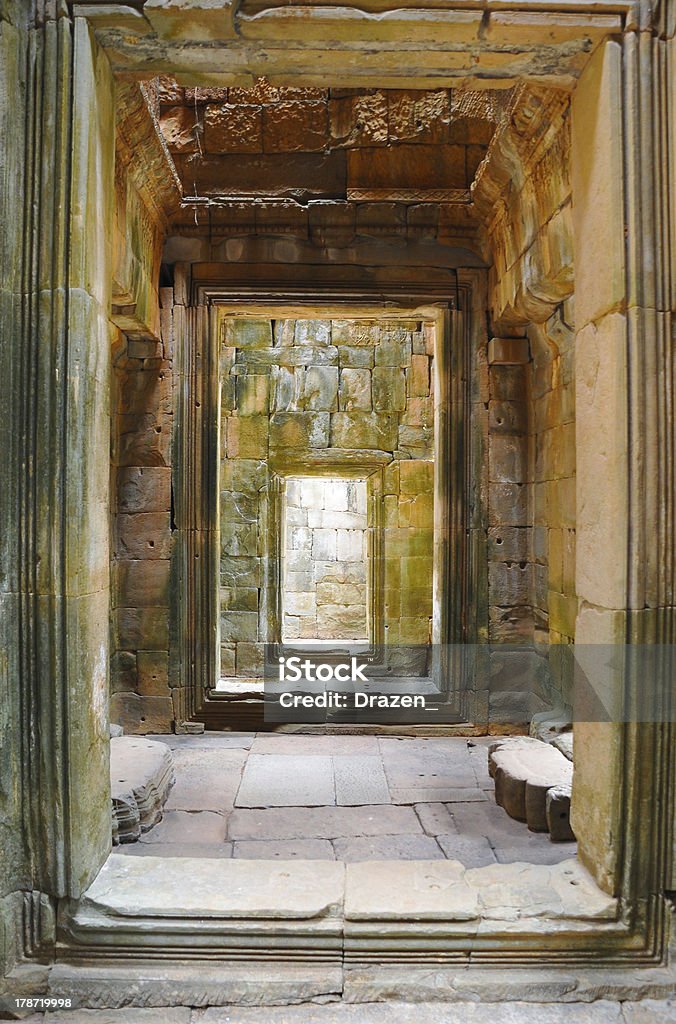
(471, 851)
(540, 853)
(399, 848)
(602, 1012)
(294, 745)
(360, 780)
(272, 780)
(130, 1015)
(284, 849)
(487, 819)
(187, 827)
(210, 789)
(210, 850)
(650, 1011)
(435, 818)
(419, 776)
(436, 794)
(322, 822)
(211, 740)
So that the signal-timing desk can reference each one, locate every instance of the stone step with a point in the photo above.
(141, 775)
(525, 770)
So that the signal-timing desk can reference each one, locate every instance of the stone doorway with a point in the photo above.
(527, 240)
(325, 569)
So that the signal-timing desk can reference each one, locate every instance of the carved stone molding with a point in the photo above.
(143, 152)
(522, 200)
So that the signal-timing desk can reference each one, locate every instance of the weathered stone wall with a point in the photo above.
(142, 535)
(523, 199)
(552, 446)
(325, 572)
(146, 195)
(304, 395)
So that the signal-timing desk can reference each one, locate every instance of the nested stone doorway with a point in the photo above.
(329, 429)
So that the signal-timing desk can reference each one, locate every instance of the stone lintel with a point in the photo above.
(200, 20)
(287, 43)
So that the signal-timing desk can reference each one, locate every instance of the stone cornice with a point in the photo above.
(466, 43)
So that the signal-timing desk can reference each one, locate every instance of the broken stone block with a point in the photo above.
(179, 128)
(360, 120)
(558, 814)
(416, 442)
(564, 743)
(418, 116)
(141, 775)
(524, 773)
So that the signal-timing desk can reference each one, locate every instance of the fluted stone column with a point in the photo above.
(56, 109)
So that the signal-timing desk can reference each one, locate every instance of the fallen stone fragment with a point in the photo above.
(523, 774)
(141, 775)
(558, 814)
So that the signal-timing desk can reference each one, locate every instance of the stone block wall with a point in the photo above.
(142, 534)
(304, 397)
(552, 444)
(523, 197)
(325, 571)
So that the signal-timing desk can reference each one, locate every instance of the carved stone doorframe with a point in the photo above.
(195, 570)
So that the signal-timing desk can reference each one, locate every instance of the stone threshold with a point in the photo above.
(488, 992)
(335, 912)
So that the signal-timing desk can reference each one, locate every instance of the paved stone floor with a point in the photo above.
(350, 798)
(601, 1012)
